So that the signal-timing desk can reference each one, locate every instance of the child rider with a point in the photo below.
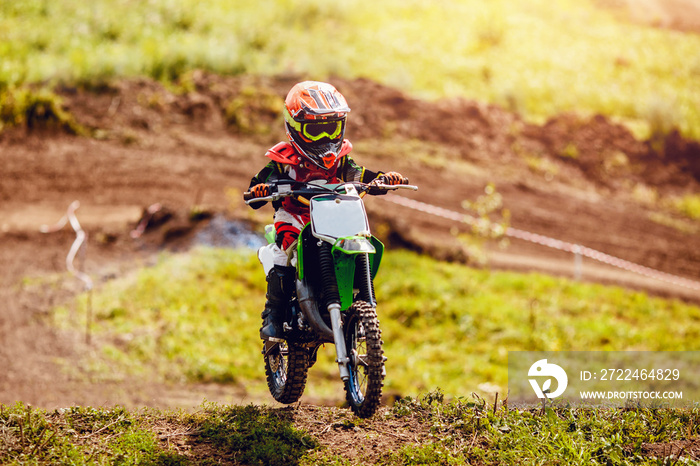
(315, 115)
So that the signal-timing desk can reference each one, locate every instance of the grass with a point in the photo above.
(537, 57)
(256, 435)
(195, 317)
(85, 435)
(435, 431)
(78, 435)
(467, 431)
(688, 205)
(436, 305)
(35, 109)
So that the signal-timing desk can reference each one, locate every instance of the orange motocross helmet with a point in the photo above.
(314, 116)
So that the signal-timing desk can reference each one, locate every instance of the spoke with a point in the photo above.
(362, 360)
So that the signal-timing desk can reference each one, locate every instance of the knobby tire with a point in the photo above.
(364, 345)
(286, 367)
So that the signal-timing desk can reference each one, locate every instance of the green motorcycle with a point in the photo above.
(336, 261)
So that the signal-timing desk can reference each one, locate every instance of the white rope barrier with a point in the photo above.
(575, 249)
(80, 237)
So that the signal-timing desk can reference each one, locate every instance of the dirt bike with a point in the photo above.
(336, 260)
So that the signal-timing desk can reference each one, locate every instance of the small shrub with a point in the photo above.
(35, 110)
(688, 205)
(570, 151)
(255, 111)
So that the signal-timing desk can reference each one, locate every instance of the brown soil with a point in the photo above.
(672, 451)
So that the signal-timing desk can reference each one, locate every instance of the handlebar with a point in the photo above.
(248, 196)
(309, 190)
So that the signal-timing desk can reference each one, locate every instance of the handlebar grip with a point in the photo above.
(247, 196)
(383, 179)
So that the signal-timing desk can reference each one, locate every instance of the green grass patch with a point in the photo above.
(538, 57)
(195, 317)
(461, 322)
(85, 435)
(255, 435)
(79, 435)
(191, 317)
(424, 430)
(470, 431)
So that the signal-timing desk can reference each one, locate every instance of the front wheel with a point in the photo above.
(286, 366)
(364, 346)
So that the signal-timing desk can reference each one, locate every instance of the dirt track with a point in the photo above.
(180, 152)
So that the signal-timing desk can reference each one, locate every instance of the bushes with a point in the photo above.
(34, 110)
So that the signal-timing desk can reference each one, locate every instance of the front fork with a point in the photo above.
(339, 339)
(330, 284)
(367, 292)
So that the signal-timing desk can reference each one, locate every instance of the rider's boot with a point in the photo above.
(280, 284)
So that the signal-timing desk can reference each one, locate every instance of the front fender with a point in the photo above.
(345, 269)
(344, 263)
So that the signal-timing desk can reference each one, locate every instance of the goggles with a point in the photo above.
(318, 130)
(315, 130)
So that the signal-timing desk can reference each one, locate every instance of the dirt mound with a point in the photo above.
(210, 104)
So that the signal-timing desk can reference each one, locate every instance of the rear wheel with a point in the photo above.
(363, 341)
(286, 367)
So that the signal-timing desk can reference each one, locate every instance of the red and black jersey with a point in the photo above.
(287, 164)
